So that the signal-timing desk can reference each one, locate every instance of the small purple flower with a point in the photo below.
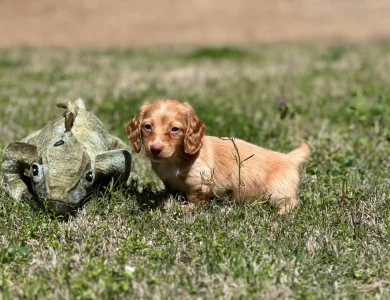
(282, 107)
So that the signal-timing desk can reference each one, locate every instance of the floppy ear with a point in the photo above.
(195, 132)
(133, 129)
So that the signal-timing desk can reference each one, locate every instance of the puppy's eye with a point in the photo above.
(148, 127)
(175, 129)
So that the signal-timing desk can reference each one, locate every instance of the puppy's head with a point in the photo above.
(167, 129)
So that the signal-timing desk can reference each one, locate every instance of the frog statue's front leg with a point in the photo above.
(112, 165)
(17, 159)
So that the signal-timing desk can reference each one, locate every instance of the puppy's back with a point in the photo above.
(263, 170)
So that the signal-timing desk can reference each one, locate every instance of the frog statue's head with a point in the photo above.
(62, 175)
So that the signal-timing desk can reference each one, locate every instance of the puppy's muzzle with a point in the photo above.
(156, 149)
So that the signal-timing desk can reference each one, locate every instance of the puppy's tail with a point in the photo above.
(300, 154)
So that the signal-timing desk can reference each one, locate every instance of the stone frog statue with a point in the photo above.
(61, 164)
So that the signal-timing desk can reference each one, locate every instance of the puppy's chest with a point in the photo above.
(170, 175)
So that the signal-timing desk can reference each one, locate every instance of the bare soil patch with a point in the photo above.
(91, 23)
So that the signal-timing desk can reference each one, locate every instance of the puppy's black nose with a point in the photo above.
(156, 148)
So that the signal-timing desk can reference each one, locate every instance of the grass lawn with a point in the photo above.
(336, 244)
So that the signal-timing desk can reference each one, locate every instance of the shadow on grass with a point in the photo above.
(218, 53)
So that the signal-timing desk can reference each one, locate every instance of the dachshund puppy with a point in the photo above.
(186, 160)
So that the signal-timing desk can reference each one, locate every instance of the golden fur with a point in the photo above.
(187, 161)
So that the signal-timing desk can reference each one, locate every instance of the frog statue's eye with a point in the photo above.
(89, 176)
(35, 170)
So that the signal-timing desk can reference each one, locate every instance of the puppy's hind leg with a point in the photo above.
(284, 191)
(286, 204)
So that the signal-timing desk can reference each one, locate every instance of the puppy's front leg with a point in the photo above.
(168, 189)
(197, 192)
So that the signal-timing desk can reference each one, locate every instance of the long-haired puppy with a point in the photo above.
(186, 160)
